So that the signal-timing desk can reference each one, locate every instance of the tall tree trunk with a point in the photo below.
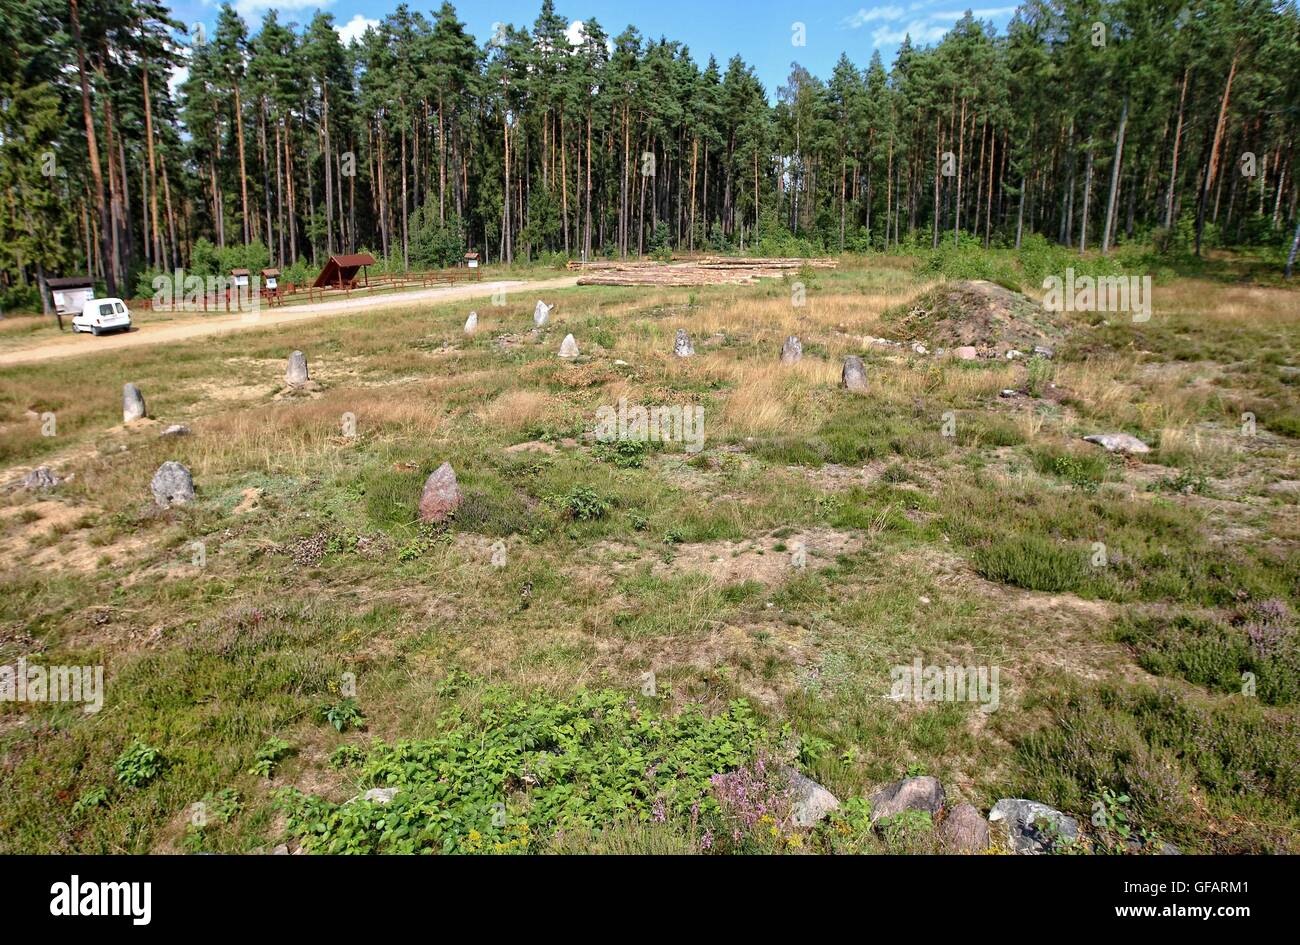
(243, 171)
(1212, 165)
(1112, 200)
(1178, 138)
(92, 149)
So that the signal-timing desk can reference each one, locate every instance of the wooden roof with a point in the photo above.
(70, 282)
(342, 268)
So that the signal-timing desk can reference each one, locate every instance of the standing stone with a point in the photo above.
(682, 346)
(964, 830)
(132, 403)
(1030, 827)
(568, 347)
(791, 351)
(40, 479)
(809, 801)
(854, 375)
(296, 375)
(172, 485)
(923, 793)
(471, 323)
(541, 312)
(441, 496)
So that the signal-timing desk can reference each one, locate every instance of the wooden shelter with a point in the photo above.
(341, 271)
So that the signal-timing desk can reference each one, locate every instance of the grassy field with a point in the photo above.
(940, 521)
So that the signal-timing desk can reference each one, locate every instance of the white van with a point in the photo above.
(101, 315)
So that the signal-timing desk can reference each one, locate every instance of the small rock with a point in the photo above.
(854, 375)
(380, 795)
(1013, 354)
(172, 485)
(132, 403)
(1031, 827)
(281, 850)
(682, 344)
(619, 362)
(441, 496)
(176, 429)
(1044, 352)
(471, 323)
(792, 350)
(918, 348)
(965, 353)
(810, 802)
(1007, 392)
(40, 479)
(568, 347)
(964, 830)
(924, 793)
(296, 374)
(541, 312)
(533, 446)
(1118, 442)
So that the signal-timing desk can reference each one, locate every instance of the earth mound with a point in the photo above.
(981, 314)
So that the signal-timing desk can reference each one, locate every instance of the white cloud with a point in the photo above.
(355, 28)
(865, 16)
(576, 33)
(254, 8)
(178, 78)
(921, 31)
(987, 13)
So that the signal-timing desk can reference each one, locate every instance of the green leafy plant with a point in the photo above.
(520, 768)
(581, 504)
(343, 714)
(268, 756)
(138, 764)
(346, 756)
(623, 453)
(89, 800)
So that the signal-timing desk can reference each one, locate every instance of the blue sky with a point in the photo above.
(761, 31)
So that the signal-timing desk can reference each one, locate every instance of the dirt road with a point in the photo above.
(73, 346)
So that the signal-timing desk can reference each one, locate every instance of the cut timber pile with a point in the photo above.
(707, 270)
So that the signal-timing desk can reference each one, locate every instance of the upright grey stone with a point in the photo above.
(40, 479)
(792, 350)
(964, 830)
(541, 312)
(568, 347)
(132, 403)
(682, 346)
(809, 801)
(172, 485)
(923, 793)
(441, 496)
(854, 375)
(1030, 827)
(471, 323)
(296, 375)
